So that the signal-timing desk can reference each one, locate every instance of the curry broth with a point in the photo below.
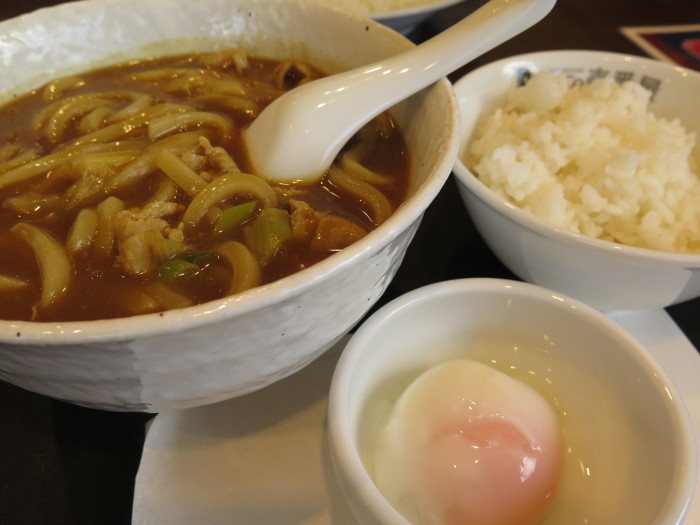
(100, 287)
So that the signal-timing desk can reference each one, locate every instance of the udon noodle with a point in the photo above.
(127, 190)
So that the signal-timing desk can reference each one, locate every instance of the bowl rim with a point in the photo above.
(348, 465)
(428, 7)
(17, 332)
(541, 226)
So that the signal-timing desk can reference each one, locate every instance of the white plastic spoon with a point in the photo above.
(297, 137)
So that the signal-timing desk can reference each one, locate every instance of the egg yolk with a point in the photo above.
(467, 444)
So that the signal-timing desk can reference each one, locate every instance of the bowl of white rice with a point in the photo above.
(581, 171)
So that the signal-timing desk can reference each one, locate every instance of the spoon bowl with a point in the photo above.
(296, 138)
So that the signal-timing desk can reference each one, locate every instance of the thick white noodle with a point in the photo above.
(54, 263)
(244, 265)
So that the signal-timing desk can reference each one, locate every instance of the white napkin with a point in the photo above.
(257, 459)
(657, 331)
(263, 458)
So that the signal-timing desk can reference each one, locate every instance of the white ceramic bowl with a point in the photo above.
(631, 455)
(233, 346)
(405, 18)
(401, 15)
(605, 275)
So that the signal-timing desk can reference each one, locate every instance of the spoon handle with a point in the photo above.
(322, 115)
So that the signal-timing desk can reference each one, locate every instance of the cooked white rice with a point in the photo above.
(595, 160)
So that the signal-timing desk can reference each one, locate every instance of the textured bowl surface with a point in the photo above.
(605, 275)
(626, 430)
(233, 346)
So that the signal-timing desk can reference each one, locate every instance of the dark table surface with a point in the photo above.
(64, 464)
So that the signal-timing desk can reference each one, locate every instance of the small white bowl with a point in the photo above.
(603, 274)
(631, 455)
(232, 346)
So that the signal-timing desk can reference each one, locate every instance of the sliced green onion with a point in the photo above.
(198, 258)
(234, 216)
(269, 230)
(184, 265)
(174, 269)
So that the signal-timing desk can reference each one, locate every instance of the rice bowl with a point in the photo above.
(606, 275)
(593, 159)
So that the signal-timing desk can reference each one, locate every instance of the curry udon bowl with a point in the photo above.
(604, 274)
(228, 347)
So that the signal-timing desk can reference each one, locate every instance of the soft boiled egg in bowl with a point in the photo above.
(488, 401)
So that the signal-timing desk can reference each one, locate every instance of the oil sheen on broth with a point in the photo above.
(127, 190)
